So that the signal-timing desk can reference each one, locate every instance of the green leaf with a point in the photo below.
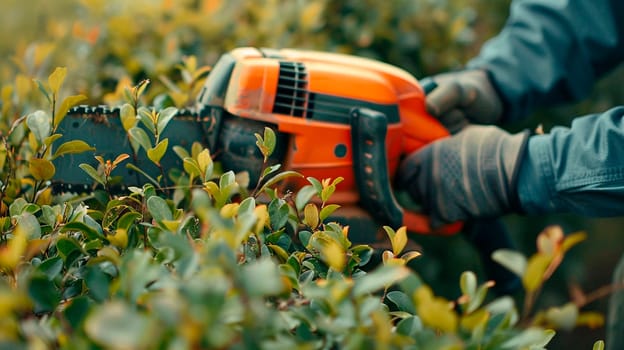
(402, 301)
(51, 267)
(159, 209)
(409, 326)
(181, 152)
(531, 337)
(304, 195)
(145, 116)
(72, 147)
(56, 79)
(599, 345)
(43, 293)
(278, 213)
(43, 90)
(140, 136)
(30, 225)
(120, 326)
(41, 169)
(271, 169)
(191, 167)
(226, 179)
(155, 154)
(512, 260)
(164, 117)
(468, 283)
(279, 177)
(563, 317)
(328, 210)
(318, 187)
(261, 278)
(39, 124)
(88, 231)
(93, 173)
(98, 283)
(304, 237)
(66, 246)
(267, 143)
(128, 117)
(77, 311)
(67, 103)
(380, 278)
(128, 219)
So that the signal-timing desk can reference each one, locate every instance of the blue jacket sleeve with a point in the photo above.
(578, 169)
(552, 51)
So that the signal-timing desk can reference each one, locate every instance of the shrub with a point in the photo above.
(210, 265)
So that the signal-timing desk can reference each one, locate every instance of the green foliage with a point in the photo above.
(218, 267)
(194, 261)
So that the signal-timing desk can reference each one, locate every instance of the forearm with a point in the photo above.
(578, 169)
(552, 51)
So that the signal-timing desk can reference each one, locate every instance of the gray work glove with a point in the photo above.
(468, 175)
(464, 97)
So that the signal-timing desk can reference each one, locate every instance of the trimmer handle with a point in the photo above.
(368, 136)
(368, 133)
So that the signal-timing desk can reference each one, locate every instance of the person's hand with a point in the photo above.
(462, 98)
(471, 174)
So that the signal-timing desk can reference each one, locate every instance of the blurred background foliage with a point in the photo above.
(108, 43)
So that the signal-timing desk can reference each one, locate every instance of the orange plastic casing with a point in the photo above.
(322, 148)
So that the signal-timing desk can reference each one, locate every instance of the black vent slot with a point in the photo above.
(291, 89)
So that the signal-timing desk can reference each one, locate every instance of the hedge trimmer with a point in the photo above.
(335, 116)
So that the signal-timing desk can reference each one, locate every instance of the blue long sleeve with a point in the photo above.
(578, 169)
(553, 51)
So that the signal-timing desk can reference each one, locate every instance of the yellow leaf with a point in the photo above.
(45, 197)
(204, 161)
(11, 254)
(435, 312)
(399, 241)
(171, 225)
(119, 239)
(410, 255)
(262, 214)
(55, 80)
(41, 169)
(229, 210)
(155, 154)
(42, 51)
(475, 319)
(67, 103)
(590, 319)
(534, 274)
(333, 254)
(311, 15)
(23, 87)
(311, 215)
(127, 116)
(571, 240)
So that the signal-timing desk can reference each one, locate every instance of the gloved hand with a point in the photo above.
(471, 174)
(464, 97)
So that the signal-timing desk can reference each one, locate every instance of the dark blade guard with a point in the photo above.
(101, 128)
